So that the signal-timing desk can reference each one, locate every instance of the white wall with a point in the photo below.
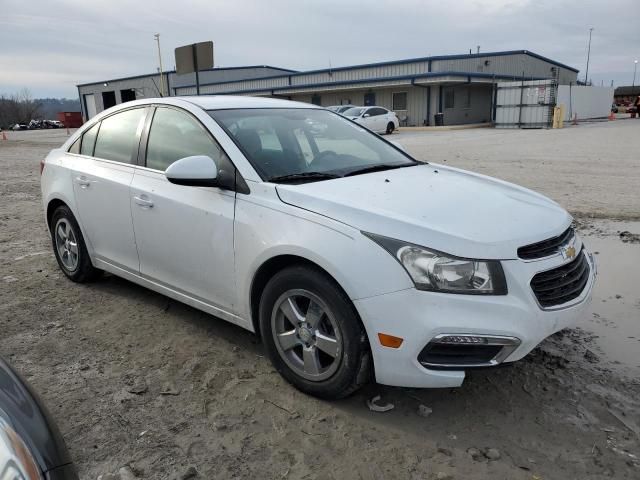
(586, 102)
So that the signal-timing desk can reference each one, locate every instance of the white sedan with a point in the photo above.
(376, 119)
(350, 259)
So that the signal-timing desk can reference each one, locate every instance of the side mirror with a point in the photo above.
(366, 115)
(196, 171)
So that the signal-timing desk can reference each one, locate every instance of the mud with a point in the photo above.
(138, 381)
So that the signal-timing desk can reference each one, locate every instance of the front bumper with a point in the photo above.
(418, 317)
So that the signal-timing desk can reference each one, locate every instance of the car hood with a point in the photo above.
(447, 209)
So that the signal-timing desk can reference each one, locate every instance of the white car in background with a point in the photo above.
(376, 119)
(340, 108)
(351, 259)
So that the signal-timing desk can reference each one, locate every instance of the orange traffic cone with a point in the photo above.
(612, 116)
(4, 136)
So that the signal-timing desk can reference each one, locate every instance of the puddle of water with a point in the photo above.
(615, 311)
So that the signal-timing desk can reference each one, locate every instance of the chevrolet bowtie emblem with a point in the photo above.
(569, 252)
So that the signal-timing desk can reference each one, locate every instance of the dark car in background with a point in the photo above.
(31, 447)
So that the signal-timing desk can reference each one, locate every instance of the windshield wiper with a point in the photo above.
(377, 168)
(311, 176)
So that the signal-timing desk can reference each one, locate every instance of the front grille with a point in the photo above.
(547, 247)
(562, 284)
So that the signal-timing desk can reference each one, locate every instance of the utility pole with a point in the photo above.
(635, 69)
(157, 37)
(586, 77)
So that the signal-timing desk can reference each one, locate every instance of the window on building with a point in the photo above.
(465, 97)
(449, 98)
(128, 95)
(399, 101)
(108, 99)
(119, 135)
(89, 140)
(175, 135)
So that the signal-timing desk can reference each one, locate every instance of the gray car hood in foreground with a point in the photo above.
(447, 209)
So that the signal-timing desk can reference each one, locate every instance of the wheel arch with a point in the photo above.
(272, 266)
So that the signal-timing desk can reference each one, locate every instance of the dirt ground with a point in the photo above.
(145, 387)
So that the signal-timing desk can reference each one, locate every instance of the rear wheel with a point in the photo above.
(390, 128)
(69, 247)
(312, 333)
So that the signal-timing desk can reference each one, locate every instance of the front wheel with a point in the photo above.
(390, 128)
(69, 247)
(312, 333)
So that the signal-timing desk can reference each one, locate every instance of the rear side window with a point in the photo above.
(175, 135)
(89, 140)
(119, 135)
(75, 148)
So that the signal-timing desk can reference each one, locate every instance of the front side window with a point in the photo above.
(311, 143)
(175, 135)
(119, 135)
(89, 140)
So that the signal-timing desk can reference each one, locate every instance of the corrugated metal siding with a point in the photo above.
(224, 75)
(524, 104)
(505, 65)
(383, 71)
(145, 87)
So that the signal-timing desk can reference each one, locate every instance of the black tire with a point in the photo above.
(83, 271)
(354, 367)
(390, 128)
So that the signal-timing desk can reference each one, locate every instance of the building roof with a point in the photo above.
(167, 72)
(627, 90)
(289, 72)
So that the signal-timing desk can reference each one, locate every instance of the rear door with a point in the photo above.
(102, 173)
(184, 234)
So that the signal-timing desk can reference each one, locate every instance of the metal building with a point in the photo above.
(461, 87)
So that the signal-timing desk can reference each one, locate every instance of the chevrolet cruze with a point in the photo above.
(348, 257)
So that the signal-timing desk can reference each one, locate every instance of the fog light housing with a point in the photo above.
(455, 351)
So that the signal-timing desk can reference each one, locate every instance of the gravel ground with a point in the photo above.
(145, 387)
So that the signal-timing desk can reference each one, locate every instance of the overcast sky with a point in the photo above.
(49, 46)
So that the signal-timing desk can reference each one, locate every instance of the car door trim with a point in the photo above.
(172, 292)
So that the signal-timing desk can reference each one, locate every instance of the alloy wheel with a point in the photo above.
(66, 245)
(307, 335)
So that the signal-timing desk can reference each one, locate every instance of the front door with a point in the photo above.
(369, 99)
(184, 234)
(102, 173)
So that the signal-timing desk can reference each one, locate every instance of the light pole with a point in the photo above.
(157, 37)
(635, 68)
(586, 77)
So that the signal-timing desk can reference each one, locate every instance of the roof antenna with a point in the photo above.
(478, 49)
(330, 71)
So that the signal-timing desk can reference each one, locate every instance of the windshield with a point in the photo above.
(353, 112)
(284, 142)
(343, 109)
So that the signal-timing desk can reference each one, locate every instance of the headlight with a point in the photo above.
(439, 272)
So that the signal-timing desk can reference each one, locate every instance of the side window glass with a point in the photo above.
(118, 136)
(75, 148)
(175, 135)
(89, 140)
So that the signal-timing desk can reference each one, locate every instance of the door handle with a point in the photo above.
(143, 201)
(83, 182)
